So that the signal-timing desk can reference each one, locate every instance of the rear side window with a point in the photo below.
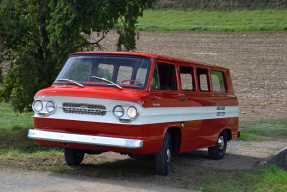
(218, 82)
(203, 81)
(187, 80)
(164, 77)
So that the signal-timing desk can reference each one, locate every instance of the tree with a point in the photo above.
(37, 35)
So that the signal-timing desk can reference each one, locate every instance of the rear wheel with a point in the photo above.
(73, 157)
(218, 151)
(163, 157)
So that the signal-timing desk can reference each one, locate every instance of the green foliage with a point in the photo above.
(36, 37)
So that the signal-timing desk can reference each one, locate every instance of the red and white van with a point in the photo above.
(137, 104)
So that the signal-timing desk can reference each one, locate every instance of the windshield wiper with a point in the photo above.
(108, 81)
(72, 81)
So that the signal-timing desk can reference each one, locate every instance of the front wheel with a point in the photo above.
(73, 157)
(163, 157)
(218, 151)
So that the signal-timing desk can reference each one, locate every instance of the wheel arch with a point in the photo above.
(175, 133)
(228, 132)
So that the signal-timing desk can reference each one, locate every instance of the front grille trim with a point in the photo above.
(83, 108)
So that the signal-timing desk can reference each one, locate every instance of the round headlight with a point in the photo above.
(132, 112)
(50, 107)
(118, 111)
(37, 106)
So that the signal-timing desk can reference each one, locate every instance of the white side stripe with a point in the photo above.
(171, 114)
(146, 115)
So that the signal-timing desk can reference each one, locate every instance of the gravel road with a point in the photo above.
(240, 155)
(12, 181)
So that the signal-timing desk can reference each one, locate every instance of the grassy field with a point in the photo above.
(258, 129)
(14, 129)
(177, 20)
(263, 179)
(18, 151)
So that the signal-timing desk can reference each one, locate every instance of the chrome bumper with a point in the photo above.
(85, 139)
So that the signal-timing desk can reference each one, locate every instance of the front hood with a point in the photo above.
(113, 93)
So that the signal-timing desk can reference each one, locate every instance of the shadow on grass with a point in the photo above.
(127, 168)
(15, 138)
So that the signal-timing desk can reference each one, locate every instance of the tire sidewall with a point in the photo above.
(162, 159)
(73, 157)
(215, 152)
(221, 153)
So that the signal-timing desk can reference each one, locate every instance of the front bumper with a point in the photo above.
(85, 139)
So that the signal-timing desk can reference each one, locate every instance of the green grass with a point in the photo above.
(258, 129)
(177, 20)
(263, 179)
(14, 129)
(11, 120)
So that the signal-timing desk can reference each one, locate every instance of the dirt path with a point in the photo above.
(14, 181)
(198, 166)
(240, 155)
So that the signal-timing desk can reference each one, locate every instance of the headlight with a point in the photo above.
(37, 106)
(132, 112)
(50, 107)
(125, 114)
(118, 111)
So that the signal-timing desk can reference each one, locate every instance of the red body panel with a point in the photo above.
(195, 134)
(131, 95)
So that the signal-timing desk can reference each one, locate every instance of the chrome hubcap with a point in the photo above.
(221, 143)
(168, 155)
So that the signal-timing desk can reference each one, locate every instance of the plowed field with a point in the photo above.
(257, 60)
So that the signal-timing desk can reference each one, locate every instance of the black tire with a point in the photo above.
(73, 157)
(163, 157)
(218, 151)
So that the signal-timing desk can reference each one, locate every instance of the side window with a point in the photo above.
(203, 81)
(125, 73)
(218, 81)
(186, 76)
(164, 77)
(155, 79)
(141, 75)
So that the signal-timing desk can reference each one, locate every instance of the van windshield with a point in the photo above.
(119, 71)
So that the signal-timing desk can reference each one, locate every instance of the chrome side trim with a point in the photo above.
(85, 139)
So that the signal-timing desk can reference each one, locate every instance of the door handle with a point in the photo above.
(182, 98)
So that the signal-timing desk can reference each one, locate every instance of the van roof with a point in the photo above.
(154, 56)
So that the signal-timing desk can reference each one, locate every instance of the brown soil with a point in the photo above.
(257, 61)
